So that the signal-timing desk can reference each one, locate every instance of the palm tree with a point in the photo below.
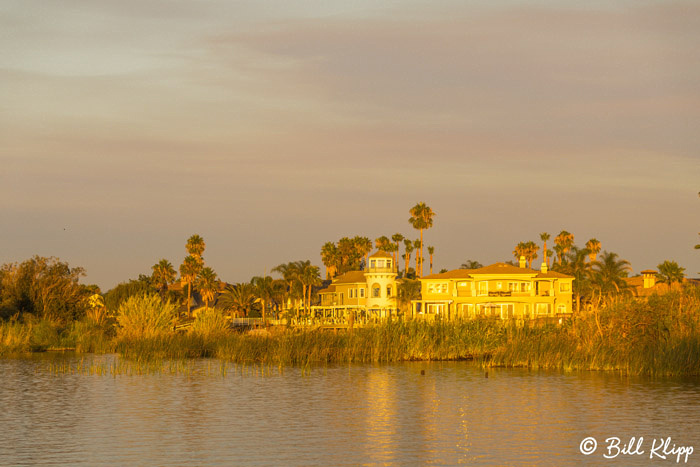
(309, 276)
(670, 272)
(238, 298)
(531, 249)
(431, 250)
(208, 285)
(330, 257)
(163, 275)
(419, 260)
(520, 250)
(608, 275)
(421, 218)
(195, 247)
(363, 246)
(408, 247)
(262, 287)
(471, 264)
(397, 238)
(593, 246)
(564, 241)
(290, 273)
(408, 290)
(544, 236)
(577, 267)
(382, 243)
(189, 269)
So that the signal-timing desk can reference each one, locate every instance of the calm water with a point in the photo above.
(56, 410)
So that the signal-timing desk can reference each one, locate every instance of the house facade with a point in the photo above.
(368, 294)
(499, 291)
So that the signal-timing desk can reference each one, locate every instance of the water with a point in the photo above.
(206, 412)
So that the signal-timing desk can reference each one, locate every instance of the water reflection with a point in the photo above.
(210, 413)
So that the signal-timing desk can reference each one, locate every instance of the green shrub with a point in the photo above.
(144, 316)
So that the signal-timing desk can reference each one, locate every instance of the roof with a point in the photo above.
(648, 271)
(553, 275)
(381, 254)
(350, 277)
(494, 269)
(503, 268)
(329, 289)
(454, 274)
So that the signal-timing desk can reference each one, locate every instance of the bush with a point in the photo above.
(210, 322)
(144, 316)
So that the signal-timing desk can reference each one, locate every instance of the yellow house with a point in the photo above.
(499, 290)
(369, 294)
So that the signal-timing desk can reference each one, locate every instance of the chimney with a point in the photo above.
(649, 278)
(543, 269)
(523, 262)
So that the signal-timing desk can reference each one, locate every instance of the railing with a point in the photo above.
(384, 269)
(246, 322)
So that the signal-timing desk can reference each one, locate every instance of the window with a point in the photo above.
(544, 309)
(380, 263)
(373, 263)
(561, 308)
(506, 311)
(362, 293)
(462, 284)
(388, 291)
(388, 263)
(483, 288)
(564, 287)
(513, 286)
(525, 286)
(437, 287)
(376, 291)
(435, 308)
(499, 285)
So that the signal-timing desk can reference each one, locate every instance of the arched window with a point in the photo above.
(376, 290)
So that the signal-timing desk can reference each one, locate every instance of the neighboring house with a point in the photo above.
(499, 290)
(647, 284)
(368, 294)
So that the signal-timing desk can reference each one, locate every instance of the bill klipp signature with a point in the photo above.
(661, 448)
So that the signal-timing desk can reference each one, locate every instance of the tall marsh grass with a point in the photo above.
(660, 336)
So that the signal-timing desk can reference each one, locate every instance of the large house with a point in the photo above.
(368, 294)
(499, 290)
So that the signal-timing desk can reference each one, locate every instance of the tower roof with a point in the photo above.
(381, 254)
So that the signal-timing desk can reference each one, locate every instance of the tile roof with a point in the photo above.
(350, 277)
(503, 268)
(454, 274)
(498, 268)
(381, 254)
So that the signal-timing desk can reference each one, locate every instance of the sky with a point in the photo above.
(270, 128)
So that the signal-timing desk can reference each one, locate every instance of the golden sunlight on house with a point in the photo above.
(499, 290)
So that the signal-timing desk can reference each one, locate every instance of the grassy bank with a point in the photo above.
(658, 337)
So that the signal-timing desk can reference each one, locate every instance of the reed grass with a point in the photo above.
(660, 336)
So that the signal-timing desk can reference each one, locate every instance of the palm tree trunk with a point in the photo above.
(189, 299)
(421, 253)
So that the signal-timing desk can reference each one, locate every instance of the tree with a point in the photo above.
(608, 275)
(431, 251)
(564, 241)
(531, 249)
(309, 276)
(46, 287)
(397, 238)
(471, 264)
(408, 248)
(189, 269)
(408, 290)
(163, 275)
(421, 219)
(363, 245)
(330, 257)
(208, 285)
(544, 236)
(581, 270)
(122, 291)
(238, 298)
(262, 286)
(195, 247)
(520, 250)
(416, 248)
(670, 272)
(382, 243)
(593, 246)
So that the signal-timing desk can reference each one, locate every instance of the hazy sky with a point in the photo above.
(272, 127)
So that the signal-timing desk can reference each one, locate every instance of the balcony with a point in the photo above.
(381, 270)
(500, 293)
